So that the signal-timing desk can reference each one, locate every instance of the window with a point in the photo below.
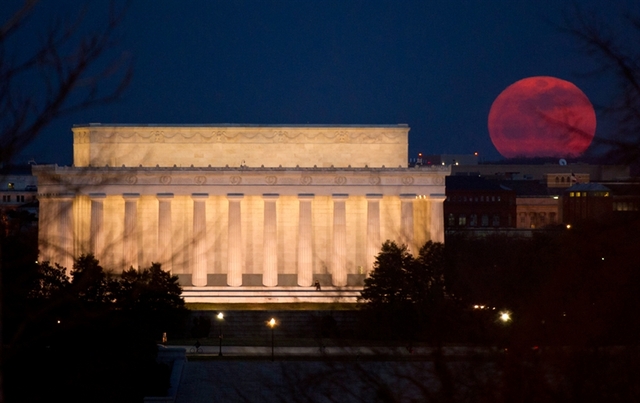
(473, 220)
(523, 218)
(552, 217)
(452, 220)
(462, 220)
(496, 220)
(485, 220)
(20, 198)
(6, 198)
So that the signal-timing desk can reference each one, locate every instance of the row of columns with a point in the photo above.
(234, 252)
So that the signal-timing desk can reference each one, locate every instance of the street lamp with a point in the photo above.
(272, 324)
(221, 319)
(505, 316)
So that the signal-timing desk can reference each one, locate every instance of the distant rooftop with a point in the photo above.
(226, 125)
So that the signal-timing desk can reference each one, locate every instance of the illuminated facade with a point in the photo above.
(240, 213)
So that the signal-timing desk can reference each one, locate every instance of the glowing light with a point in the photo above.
(568, 226)
(505, 316)
(272, 323)
(220, 316)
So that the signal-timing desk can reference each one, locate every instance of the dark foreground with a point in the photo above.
(557, 375)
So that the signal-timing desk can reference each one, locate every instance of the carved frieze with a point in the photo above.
(271, 180)
(251, 134)
(131, 179)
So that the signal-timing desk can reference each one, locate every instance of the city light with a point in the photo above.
(505, 316)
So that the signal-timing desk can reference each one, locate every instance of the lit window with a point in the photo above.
(571, 194)
(462, 220)
(452, 220)
(11, 186)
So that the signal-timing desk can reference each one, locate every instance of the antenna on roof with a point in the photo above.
(562, 161)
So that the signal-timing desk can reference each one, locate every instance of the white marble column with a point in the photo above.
(96, 227)
(65, 231)
(165, 247)
(234, 252)
(130, 240)
(46, 236)
(305, 239)
(270, 241)
(436, 229)
(199, 258)
(406, 221)
(339, 258)
(373, 229)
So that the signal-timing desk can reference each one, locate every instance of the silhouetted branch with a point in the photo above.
(615, 52)
(70, 70)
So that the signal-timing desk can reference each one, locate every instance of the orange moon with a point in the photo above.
(542, 117)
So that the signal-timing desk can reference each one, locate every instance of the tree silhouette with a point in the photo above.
(69, 71)
(613, 48)
(407, 295)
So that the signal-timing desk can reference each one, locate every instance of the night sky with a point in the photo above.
(434, 65)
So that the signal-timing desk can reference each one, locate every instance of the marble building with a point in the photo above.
(240, 213)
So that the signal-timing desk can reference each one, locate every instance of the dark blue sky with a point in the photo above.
(435, 65)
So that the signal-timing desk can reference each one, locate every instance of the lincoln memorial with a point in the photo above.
(240, 213)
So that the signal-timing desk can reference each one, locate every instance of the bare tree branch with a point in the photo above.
(615, 52)
(70, 71)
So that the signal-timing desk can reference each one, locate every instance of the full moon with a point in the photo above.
(542, 117)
